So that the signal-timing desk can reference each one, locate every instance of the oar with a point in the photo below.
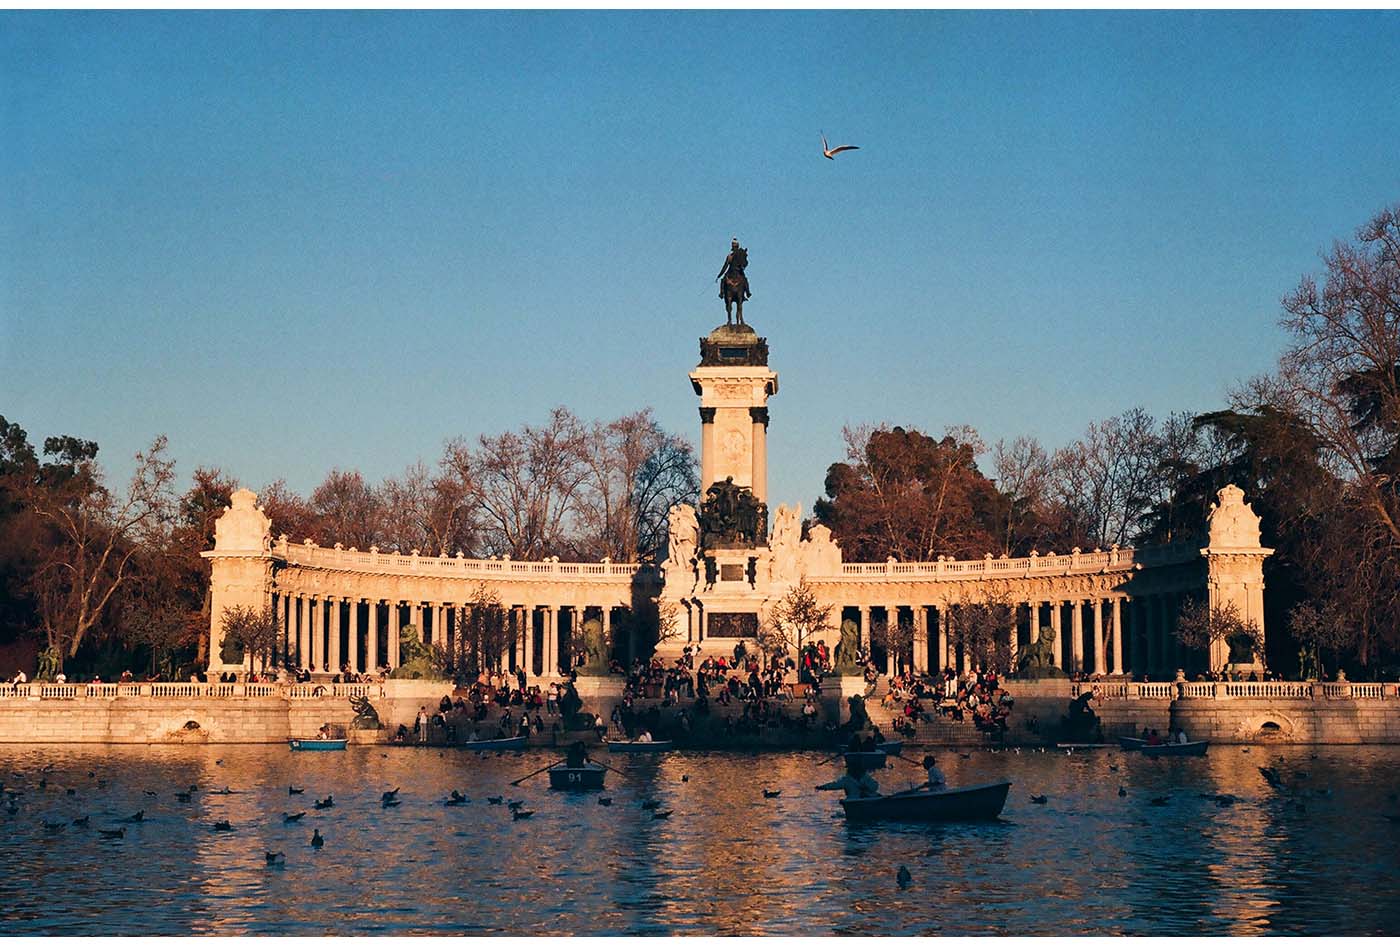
(534, 773)
(831, 758)
(611, 769)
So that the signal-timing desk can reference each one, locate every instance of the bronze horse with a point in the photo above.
(734, 285)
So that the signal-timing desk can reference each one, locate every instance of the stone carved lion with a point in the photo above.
(366, 716)
(1039, 656)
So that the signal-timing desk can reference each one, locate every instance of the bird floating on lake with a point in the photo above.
(1122, 792)
(456, 798)
(275, 857)
(119, 833)
(772, 794)
(662, 815)
(72, 791)
(136, 817)
(289, 819)
(495, 799)
(316, 839)
(293, 790)
(82, 822)
(391, 803)
(1039, 799)
(515, 805)
(904, 878)
(831, 153)
(53, 827)
(389, 796)
(182, 796)
(605, 802)
(327, 802)
(223, 826)
(519, 814)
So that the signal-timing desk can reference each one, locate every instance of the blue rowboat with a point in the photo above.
(1131, 743)
(317, 745)
(496, 745)
(868, 760)
(1176, 749)
(587, 777)
(656, 745)
(974, 803)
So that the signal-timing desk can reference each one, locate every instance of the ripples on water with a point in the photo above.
(727, 862)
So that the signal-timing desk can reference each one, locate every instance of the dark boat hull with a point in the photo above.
(588, 778)
(654, 746)
(1176, 749)
(1131, 743)
(496, 745)
(975, 803)
(869, 760)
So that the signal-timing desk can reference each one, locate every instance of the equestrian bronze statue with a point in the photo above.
(733, 284)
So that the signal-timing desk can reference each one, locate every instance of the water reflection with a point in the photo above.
(1319, 859)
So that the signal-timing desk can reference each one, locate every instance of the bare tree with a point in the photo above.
(1022, 470)
(796, 619)
(1343, 366)
(526, 486)
(347, 510)
(94, 534)
(1107, 480)
(635, 473)
(249, 633)
(1199, 626)
(432, 513)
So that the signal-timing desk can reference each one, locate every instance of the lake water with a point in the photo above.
(728, 861)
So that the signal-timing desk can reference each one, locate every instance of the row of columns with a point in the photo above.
(311, 633)
(1116, 634)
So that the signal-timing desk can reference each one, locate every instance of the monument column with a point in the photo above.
(1099, 664)
(392, 657)
(352, 637)
(333, 657)
(303, 633)
(527, 625)
(1117, 617)
(759, 477)
(943, 628)
(1056, 606)
(1076, 639)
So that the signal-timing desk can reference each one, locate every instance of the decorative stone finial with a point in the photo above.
(1233, 523)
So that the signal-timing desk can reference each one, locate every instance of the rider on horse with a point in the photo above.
(733, 284)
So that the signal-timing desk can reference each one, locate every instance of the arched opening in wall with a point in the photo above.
(1270, 729)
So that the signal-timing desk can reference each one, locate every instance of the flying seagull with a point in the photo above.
(831, 153)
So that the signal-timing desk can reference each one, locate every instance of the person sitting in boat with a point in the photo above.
(1181, 739)
(857, 783)
(1154, 739)
(644, 736)
(576, 757)
(934, 780)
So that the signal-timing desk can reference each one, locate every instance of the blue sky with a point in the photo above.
(298, 241)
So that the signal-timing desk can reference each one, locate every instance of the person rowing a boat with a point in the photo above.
(576, 757)
(857, 782)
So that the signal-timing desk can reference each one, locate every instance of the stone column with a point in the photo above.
(527, 621)
(606, 618)
(1076, 636)
(921, 639)
(943, 628)
(892, 632)
(440, 625)
(392, 657)
(759, 488)
(372, 635)
(1117, 636)
(352, 636)
(551, 640)
(707, 448)
(1100, 665)
(1055, 608)
(865, 628)
(1012, 644)
(303, 633)
(333, 656)
(284, 629)
(1033, 621)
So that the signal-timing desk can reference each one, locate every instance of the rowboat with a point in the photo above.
(1083, 745)
(656, 745)
(316, 745)
(494, 745)
(1176, 748)
(974, 803)
(1131, 743)
(867, 760)
(586, 777)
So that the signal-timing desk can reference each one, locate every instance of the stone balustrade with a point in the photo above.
(1228, 690)
(374, 561)
(111, 691)
(1125, 559)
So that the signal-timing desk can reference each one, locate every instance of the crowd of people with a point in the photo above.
(976, 695)
(494, 706)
